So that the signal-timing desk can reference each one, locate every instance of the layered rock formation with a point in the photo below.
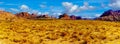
(6, 15)
(110, 15)
(32, 16)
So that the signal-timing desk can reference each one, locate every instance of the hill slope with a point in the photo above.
(110, 15)
(6, 16)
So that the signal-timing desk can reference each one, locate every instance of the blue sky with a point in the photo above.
(84, 8)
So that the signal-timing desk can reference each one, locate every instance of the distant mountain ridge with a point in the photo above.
(110, 12)
(25, 15)
(110, 15)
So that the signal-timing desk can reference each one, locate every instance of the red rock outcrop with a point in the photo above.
(110, 15)
(24, 15)
(64, 16)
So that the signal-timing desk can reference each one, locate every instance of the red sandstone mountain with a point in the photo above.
(110, 15)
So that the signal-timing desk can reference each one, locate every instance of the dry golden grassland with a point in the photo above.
(59, 32)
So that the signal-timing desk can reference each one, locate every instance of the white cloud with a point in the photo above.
(42, 6)
(15, 10)
(39, 13)
(88, 17)
(24, 7)
(73, 8)
(57, 13)
(86, 6)
(67, 4)
(45, 13)
(97, 15)
(115, 4)
(70, 7)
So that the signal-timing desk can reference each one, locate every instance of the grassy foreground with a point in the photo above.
(59, 32)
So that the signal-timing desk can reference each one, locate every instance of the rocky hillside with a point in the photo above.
(110, 15)
(6, 16)
(26, 15)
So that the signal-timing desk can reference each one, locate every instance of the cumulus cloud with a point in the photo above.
(24, 8)
(115, 4)
(86, 6)
(70, 7)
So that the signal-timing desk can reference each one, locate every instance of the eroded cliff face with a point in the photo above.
(110, 15)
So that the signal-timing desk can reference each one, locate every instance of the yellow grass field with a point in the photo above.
(59, 32)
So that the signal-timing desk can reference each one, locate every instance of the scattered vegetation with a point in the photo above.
(59, 32)
(19, 30)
